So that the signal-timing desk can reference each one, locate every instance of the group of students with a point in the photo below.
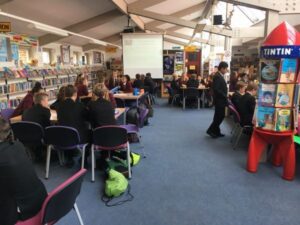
(124, 82)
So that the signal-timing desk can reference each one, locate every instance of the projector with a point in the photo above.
(128, 29)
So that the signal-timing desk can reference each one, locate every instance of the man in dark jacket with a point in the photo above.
(247, 104)
(220, 92)
(192, 82)
(21, 192)
(39, 113)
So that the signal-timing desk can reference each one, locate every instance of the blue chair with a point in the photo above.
(62, 138)
(7, 113)
(109, 138)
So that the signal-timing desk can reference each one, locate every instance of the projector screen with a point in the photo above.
(143, 53)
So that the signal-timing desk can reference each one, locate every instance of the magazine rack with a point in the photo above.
(283, 42)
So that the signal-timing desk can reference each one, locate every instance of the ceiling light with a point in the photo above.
(49, 29)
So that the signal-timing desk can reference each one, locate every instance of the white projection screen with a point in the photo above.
(143, 53)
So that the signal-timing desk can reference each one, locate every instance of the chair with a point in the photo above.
(238, 129)
(62, 138)
(109, 138)
(7, 113)
(59, 202)
(171, 93)
(191, 93)
(29, 133)
(120, 103)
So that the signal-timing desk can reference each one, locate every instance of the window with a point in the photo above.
(46, 57)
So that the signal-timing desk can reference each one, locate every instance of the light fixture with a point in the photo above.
(51, 29)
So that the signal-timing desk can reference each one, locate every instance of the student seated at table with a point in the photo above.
(183, 80)
(39, 113)
(111, 95)
(138, 83)
(73, 113)
(59, 98)
(22, 193)
(240, 91)
(114, 80)
(101, 111)
(27, 101)
(247, 104)
(149, 83)
(192, 82)
(82, 87)
(126, 85)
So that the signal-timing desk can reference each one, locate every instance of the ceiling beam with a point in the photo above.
(89, 47)
(123, 6)
(181, 13)
(113, 38)
(175, 41)
(143, 4)
(2, 2)
(257, 4)
(82, 26)
(162, 18)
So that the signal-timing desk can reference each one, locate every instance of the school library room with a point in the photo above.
(149, 112)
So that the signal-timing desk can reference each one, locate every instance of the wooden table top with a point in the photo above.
(128, 96)
(199, 88)
(53, 118)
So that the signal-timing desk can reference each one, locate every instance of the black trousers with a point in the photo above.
(218, 119)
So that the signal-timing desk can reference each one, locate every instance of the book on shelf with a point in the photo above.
(267, 94)
(265, 117)
(3, 104)
(297, 95)
(283, 120)
(284, 95)
(288, 70)
(269, 70)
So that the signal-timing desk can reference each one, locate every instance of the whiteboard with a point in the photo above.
(143, 53)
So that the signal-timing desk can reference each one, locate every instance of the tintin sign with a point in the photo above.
(288, 51)
(5, 27)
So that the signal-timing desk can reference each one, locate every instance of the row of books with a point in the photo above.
(278, 95)
(275, 119)
(279, 71)
(11, 103)
(15, 87)
(52, 93)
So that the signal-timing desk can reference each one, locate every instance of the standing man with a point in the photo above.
(220, 91)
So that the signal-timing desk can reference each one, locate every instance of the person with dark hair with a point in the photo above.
(149, 83)
(240, 91)
(244, 77)
(138, 83)
(233, 81)
(79, 76)
(126, 86)
(82, 87)
(101, 111)
(39, 113)
(247, 104)
(73, 114)
(27, 101)
(192, 82)
(21, 192)
(114, 80)
(59, 98)
(220, 92)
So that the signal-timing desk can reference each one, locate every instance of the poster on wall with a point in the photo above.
(65, 54)
(15, 52)
(97, 57)
(3, 49)
(168, 65)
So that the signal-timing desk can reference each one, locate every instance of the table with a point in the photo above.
(129, 96)
(53, 117)
(202, 89)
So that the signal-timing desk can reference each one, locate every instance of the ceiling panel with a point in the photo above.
(57, 12)
(73, 40)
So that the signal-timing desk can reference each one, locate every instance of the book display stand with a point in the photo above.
(277, 107)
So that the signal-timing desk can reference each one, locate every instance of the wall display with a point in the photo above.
(3, 49)
(65, 54)
(97, 58)
(168, 64)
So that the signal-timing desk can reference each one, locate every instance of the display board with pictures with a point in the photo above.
(278, 95)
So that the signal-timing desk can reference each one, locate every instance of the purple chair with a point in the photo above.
(29, 133)
(59, 202)
(7, 113)
(62, 138)
(109, 138)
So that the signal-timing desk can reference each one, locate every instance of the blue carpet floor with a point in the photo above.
(189, 179)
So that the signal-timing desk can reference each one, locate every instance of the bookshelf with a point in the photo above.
(15, 83)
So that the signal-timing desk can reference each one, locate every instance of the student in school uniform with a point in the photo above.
(27, 101)
(111, 95)
(240, 91)
(247, 104)
(73, 114)
(59, 98)
(82, 87)
(101, 111)
(39, 113)
(192, 82)
(21, 192)
(126, 85)
(138, 83)
(183, 80)
(149, 83)
(114, 80)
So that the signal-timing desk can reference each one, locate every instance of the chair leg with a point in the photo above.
(233, 132)
(48, 161)
(78, 214)
(183, 105)
(60, 157)
(93, 163)
(198, 103)
(128, 160)
(238, 138)
(83, 156)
